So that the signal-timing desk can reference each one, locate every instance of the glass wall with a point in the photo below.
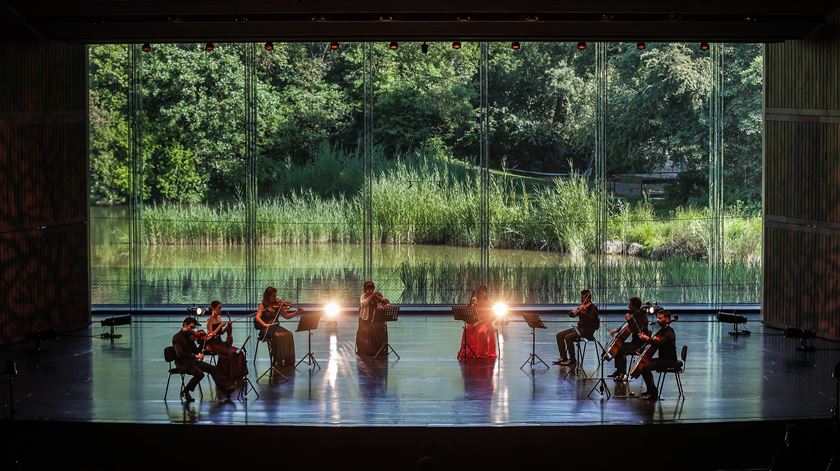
(538, 170)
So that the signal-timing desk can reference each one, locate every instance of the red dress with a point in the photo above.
(480, 336)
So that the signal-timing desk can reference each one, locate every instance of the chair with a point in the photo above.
(677, 371)
(169, 356)
(581, 356)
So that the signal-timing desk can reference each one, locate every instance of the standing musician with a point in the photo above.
(215, 329)
(281, 341)
(637, 321)
(189, 357)
(665, 340)
(588, 323)
(371, 335)
(480, 336)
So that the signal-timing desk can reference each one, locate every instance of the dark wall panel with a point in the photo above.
(43, 184)
(802, 183)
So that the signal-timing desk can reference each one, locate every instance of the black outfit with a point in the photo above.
(667, 349)
(280, 340)
(371, 336)
(588, 323)
(638, 323)
(186, 349)
(217, 345)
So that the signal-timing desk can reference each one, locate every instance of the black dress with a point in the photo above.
(281, 341)
(371, 335)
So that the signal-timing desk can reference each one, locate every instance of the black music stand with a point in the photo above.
(248, 384)
(386, 315)
(468, 315)
(307, 323)
(269, 332)
(534, 322)
(600, 385)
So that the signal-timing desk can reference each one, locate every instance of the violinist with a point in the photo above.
(637, 322)
(215, 329)
(189, 357)
(480, 336)
(588, 323)
(665, 341)
(280, 340)
(372, 334)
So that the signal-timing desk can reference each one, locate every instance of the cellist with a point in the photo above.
(637, 322)
(665, 341)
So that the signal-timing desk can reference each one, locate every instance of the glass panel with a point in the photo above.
(657, 173)
(426, 172)
(310, 172)
(542, 164)
(742, 167)
(194, 174)
(109, 174)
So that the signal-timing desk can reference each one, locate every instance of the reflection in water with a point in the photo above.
(373, 384)
(479, 386)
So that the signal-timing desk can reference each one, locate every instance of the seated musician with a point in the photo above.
(637, 321)
(480, 336)
(215, 329)
(588, 323)
(189, 358)
(666, 342)
(280, 341)
(372, 334)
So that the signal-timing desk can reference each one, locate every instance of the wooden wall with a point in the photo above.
(802, 183)
(44, 259)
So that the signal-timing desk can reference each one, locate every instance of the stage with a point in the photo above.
(759, 377)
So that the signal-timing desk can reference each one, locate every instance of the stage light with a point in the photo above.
(331, 309)
(146, 47)
(269, 46)
(456, 44)
(334, 46)
(515, 46)
(394, 46)
(704, 46)
(803, 335)
(113, 322)
(196, 311)
(500, 309)
(726, 318)
(641, 46)
(209, 47)
(424, 48)
(581, 46)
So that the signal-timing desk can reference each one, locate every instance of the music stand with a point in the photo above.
(386, 315)
(468, 315)
(269, 332)
(307, 323)
(600, 385)
(248, 382)
(534, 322)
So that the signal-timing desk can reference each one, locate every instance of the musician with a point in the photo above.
(189, 357)
(371, 335)
(638, 322)
(588, 323)
(215, 329)
(281, 342)
(666, 342)
(480, 336)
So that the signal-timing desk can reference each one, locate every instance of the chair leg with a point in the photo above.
(661, 385)
(256, 349)
(679, 385)
(167, 386)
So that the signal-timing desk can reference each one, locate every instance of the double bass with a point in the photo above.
(648, 350)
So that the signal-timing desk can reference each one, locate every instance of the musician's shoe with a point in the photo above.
(560, 361)
(569, 363)
(650, 395)
(187, 396)
(620, 378)
(615, 374)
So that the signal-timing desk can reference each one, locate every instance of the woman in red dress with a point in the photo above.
(480, 336)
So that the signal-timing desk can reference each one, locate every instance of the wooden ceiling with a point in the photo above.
(369, 20)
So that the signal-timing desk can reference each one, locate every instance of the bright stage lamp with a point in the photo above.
(331, 309)
(500, 309)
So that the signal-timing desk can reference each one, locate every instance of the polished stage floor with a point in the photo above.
(84, 378)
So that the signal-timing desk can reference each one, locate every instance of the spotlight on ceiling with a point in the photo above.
(424, 48)
(515, 46)
(704, 46)
(641, 46)
(209, 47)
(456, 44)
(581, 45)
(269, 46)
(394, 46)
(146, 47)
(334, 46)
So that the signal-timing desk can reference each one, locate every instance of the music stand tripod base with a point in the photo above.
(308, 323)
(534, 322)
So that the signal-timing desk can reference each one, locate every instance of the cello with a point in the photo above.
(623, 333)
(648, 350)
